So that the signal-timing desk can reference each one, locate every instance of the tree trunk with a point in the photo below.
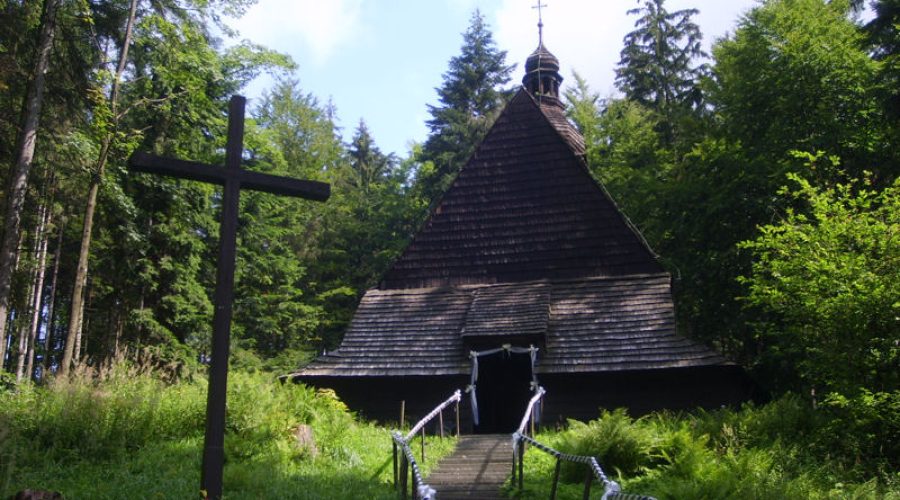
(18, 182)
(120, 329)
(48, 343)
(38, 292)
(11, 318)
(75, 318)
(23, 329)
(33, 294)
(81, 325)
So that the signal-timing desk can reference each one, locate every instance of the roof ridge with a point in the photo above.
(543, 281)
(579, 148)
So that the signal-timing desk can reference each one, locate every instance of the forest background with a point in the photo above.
(764, 175)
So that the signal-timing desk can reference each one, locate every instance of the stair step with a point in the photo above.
(476, 469)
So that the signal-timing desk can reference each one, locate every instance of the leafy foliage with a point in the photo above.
(784, 449)
(614, 439)
(827, 277)
(795, 76)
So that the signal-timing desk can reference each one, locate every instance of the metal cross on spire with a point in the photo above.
(540, 21)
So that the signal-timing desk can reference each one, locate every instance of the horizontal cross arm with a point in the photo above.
(195, 171)
(172, 167)
(288, 186)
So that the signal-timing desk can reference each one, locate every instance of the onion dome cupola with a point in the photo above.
(542, 78)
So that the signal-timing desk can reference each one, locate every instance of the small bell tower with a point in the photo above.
(542, 78)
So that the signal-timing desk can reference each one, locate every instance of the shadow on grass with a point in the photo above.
(172, 470)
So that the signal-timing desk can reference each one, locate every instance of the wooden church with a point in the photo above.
(525, 273)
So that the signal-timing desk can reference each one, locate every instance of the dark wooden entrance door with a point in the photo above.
(503, 391)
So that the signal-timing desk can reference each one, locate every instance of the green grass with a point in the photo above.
(128, 434)
(781, 450)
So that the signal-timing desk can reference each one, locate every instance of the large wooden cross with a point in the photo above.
(233, 178)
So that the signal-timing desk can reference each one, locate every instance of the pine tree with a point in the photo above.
(370, 165)
(470, 99)
(657, 67)
(18, 180)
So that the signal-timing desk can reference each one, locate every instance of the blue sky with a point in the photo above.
(382, 59)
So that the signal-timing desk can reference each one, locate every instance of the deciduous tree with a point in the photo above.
(826, 276)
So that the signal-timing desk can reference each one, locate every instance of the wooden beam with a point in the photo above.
(196, 171)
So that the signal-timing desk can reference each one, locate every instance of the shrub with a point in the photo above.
(99, 416)
(619, 443)
(845, 448)
(863, 431)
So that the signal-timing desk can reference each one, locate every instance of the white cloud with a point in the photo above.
(586, 35)
(321, 27)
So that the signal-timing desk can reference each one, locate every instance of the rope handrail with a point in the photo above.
(611, 489)
(534, 399)
(437, 409)
(424, 492)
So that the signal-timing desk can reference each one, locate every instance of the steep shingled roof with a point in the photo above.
(591, 325)
(523, 208)
(524, 244)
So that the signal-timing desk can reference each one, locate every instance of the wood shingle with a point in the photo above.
(525, 248)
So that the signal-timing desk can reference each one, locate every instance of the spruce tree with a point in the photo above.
(657, 67)
(470, 98)
(370, 165)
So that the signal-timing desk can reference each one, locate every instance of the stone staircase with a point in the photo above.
(477, 468)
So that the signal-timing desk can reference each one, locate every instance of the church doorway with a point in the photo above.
(503, 391)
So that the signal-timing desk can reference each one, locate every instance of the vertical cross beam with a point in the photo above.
(214, 440)
(233, 178)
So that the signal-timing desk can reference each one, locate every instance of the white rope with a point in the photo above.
(611, 489)
(534, 399)
(421, 423)
(472, 383)
(424, 491)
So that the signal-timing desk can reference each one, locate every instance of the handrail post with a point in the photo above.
(404, 473)
(423, 444)
(555, 479)
(413, 487)
(515, 461)
(457, 418)
(394, 443)
(402, 412)
(521, 464)
(588, 478)
(441, 423)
